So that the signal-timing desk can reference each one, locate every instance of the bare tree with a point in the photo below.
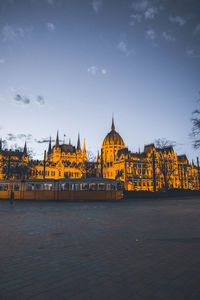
(196, 127)
(164, 159)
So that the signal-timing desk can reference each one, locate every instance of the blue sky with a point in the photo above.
(69, 65)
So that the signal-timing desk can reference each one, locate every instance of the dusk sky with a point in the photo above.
(68, 65)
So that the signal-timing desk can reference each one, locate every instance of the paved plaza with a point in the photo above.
(140, 249)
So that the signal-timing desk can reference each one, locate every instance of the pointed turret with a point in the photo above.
(57, 141)
(113, 124)
(84, 152)
(84, 147)
(70, 141)
(98, 157)
(78, 143)
(49, 150)
(25, 149)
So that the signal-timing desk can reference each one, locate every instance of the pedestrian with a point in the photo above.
(12, 198)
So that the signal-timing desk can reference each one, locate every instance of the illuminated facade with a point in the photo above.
(61, 161)
(137, 170)
(155, 169)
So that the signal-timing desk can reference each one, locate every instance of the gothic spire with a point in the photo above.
(25, 149)
(113, 124)
(49, 150)
(78, 143)
(57, 141)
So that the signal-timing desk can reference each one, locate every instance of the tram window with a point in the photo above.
(112, 187)
(108, 187)
(85, 187)
(3, 187)
(93, 187)
(48, 186)
(16, 187)
(38, 186)
(28, 187)
(101, 187)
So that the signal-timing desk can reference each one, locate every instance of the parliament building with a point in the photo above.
(154, 169)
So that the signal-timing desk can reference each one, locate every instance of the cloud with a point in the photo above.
(51, 27)
(2, 61)
(14, 137)
(104, 71)
(21, 99)
(96, 5)
(135, 18)
(197, 29)
(140, 5)
(123, 47)
(40, 100)
(144, 9)
(92, 70)
(150, 13)
(192, 53)
(168, 37)
(150, 34)
(10, 33)
(178, 20)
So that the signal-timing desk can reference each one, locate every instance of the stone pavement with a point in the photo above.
(100, 250)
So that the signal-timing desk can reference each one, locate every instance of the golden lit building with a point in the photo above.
(153, 169)
(61, 161)
(13, 164)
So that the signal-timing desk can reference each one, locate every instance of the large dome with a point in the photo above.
(113, 137)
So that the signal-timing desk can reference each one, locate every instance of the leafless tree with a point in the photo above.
(196, 127)
(164, 160)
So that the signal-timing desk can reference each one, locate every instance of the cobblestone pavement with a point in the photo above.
(100, 250)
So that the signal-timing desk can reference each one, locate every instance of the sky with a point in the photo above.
(69, 65)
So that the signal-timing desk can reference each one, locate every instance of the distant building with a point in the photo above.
(136, 169)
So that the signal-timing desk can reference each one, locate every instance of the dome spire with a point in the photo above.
(113, 124)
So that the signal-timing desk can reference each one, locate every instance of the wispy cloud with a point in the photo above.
(93, 70)
(151, 34)
(44, 140)
(197, 29)
(192, 53)
(150, 13)
(178, 20)
(168, 37)
(40, 100)
(2, 61)
(122, 46)
(104, 71)
(51, 27)
(20, 136)
(135, 18)
(146, 9)
(10, 33)
(20, 99)
(97, 5)
(140, 5)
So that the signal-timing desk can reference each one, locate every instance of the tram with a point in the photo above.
(63, 189)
